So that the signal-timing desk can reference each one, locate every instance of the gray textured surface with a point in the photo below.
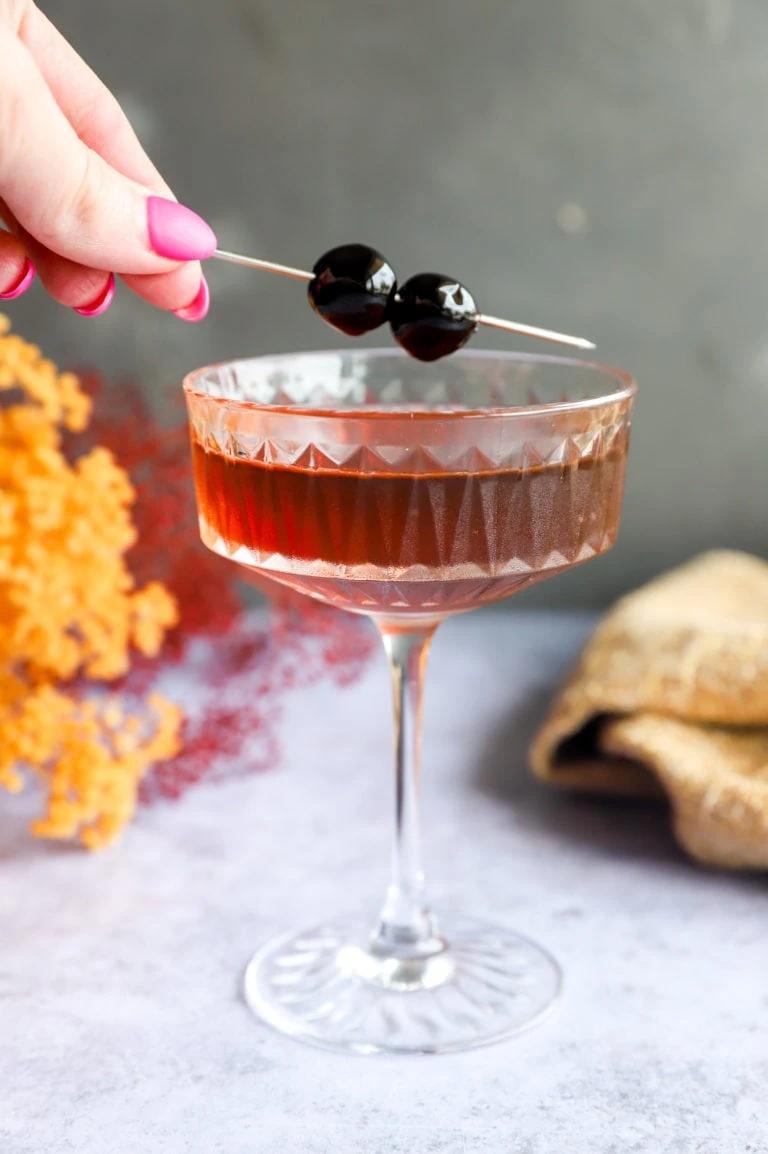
(595, 166)
(121, 1026)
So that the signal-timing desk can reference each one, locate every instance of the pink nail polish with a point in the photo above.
(22, 284)
(103, 302)
(177, 232)
(198, 309)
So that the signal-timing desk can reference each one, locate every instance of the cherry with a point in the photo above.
(351, 288)
(432, 316)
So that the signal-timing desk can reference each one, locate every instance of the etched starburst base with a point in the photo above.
(327, 987)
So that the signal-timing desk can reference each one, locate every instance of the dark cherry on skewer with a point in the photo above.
(432, 316)
(351, 288)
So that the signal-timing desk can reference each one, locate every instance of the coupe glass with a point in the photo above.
(407, 492)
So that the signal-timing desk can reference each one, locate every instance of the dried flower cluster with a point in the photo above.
(251, 663)
(70, 612)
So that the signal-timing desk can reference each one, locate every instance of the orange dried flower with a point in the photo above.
(69, 609)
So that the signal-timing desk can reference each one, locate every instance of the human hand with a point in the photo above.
(79, 196)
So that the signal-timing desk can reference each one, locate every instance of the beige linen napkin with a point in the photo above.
(670, 698)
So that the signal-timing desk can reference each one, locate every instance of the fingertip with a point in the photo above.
(168, 291)
(100, 305)
(197, 309)
(176, 232)
(22, 283)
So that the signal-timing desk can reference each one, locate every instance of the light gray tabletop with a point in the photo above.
(122, 1030)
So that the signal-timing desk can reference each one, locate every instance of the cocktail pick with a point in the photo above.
(481, 318)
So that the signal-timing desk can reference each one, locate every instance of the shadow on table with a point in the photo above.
(613, 827)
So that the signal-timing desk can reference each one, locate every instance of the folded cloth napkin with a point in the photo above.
(670, 698)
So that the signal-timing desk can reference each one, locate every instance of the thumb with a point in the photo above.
(66, 195)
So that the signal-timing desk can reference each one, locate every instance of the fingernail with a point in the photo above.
(103, 302)
(22, 284)
(177, 232)
(199, 308)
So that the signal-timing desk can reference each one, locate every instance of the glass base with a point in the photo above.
(330, 987)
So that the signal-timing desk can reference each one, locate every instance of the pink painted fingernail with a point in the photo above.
(103, 302)
(22, 284)
(177, 232)
(198, 309)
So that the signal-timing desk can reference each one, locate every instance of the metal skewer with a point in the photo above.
(491, 322)
(266, 265)
(532, 331)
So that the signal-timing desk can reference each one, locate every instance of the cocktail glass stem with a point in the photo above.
(406, 927)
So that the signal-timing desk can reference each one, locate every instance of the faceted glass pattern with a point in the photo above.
(391, 488)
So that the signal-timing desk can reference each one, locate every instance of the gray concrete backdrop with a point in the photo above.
(595, 165)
